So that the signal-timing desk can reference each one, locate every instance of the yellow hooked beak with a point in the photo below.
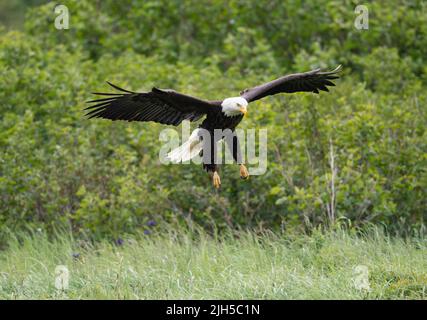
(243, 110)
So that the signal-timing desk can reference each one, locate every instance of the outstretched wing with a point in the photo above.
(311, 81)
(162, 106)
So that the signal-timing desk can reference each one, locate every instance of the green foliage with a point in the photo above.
(12, 13)
(98, 177)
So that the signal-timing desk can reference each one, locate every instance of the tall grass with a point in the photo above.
(194, 265)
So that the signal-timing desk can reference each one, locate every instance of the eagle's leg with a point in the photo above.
(212, 169)
(209, 157)
(216, 180)
(244, 173)
(233, 143)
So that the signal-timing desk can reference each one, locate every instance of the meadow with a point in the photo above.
(185, 264)
(355, 156)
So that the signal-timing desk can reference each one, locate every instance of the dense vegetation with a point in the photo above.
(102, 178)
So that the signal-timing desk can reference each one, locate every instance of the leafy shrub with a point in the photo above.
(99, 177)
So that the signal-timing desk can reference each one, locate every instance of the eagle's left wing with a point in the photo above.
(311, 81)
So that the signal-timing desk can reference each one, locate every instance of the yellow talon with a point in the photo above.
(216, 180)
(244, 173)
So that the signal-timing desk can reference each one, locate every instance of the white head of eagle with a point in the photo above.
(234, 106)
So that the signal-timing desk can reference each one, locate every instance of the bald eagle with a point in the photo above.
(170, 107)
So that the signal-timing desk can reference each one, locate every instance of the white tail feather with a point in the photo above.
(188, 150)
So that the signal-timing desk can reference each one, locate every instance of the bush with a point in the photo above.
(104, 178)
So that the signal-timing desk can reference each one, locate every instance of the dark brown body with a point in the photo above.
(217, 120)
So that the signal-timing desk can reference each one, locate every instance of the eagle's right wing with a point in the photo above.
(162, 106)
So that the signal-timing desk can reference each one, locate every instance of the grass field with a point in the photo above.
(241, 265)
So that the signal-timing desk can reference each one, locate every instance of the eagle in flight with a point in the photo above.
(170, 107)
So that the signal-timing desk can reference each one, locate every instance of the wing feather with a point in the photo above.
(162, 106)
(311, 81)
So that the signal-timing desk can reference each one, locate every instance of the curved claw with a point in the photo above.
(244, 173)
(216, 180)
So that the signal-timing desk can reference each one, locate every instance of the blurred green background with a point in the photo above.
(100, 178)
(12, 12)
